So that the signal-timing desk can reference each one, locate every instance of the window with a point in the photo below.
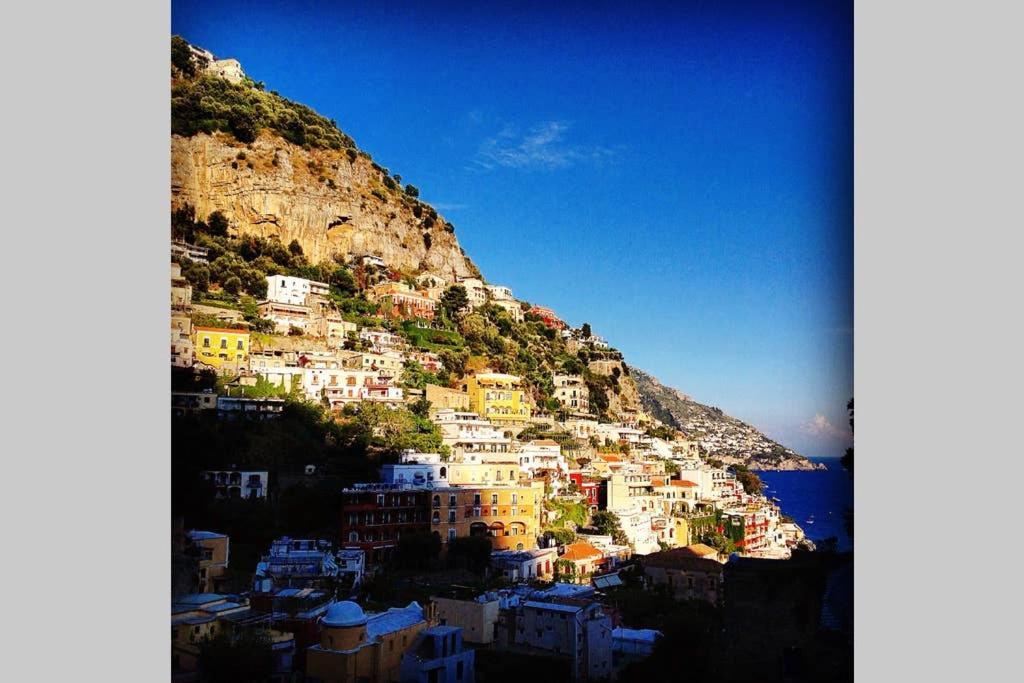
(494, 499)
(515, 499)
(451, 516)
(451, 536)
(239, 347)
(437, 501)
(206, 342)
(223, 343)
(451, 496)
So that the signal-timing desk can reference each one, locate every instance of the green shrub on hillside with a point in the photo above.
(206, 103)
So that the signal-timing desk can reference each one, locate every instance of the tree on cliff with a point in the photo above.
(217, 224)
(454, 300)
(751, 482)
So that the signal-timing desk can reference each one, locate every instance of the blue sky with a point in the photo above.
(679, 176)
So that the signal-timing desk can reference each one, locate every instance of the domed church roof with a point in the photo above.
(344, 613)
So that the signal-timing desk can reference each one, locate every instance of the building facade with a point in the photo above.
(225, 350)
(497, 397)
(375, 516)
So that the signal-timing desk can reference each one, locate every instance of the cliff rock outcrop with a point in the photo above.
(329, 200)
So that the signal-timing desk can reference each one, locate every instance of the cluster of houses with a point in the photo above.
(301, 600)
(495, 485)
(489, 483)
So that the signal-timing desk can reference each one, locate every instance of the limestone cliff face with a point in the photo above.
(329, 202)
(627, 398)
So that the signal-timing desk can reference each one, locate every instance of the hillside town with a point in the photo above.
(563, 501)
(387, 469)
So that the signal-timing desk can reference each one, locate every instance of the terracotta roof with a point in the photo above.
(609, 457)
(580, 550)
(682, 482)
(701, 550)
(681, 558)
(657, 481)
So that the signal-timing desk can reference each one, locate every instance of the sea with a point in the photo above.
(817, 500)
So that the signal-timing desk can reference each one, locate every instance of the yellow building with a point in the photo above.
(221, 348)
(497, 397)
(476, 618)
(356, 647)
(509, 515)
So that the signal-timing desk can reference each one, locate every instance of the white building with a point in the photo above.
(352, 562)
(476, 291)
(284, 289)
(294, 562)
(238, 483)
(466, 432)
(382, 341)
(285, 316)
(499, 293)
(180, 250)
(182, 349)
(332, 328)
(417, 469)
(638, 526)
(513, 308)
(524, 565)
(542, 455)
(572, 392)
(390, 362)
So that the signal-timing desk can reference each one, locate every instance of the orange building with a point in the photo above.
(356, 647)
(509, 515)
(398, 300)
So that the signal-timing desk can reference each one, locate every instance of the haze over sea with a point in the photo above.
(820, 495)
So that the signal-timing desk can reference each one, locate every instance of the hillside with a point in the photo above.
(275, 168)
(724, 437)
(274, 173)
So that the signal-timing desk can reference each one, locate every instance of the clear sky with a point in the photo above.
(678, 175)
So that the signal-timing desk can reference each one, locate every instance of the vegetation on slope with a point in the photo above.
(202, 103)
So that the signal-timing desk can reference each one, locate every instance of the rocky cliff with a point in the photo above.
(334, 200)
(331, 201)
(722, 436)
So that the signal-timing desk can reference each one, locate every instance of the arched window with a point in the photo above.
(353, 536)
(444, 472)
(436, 517)
(437, 502)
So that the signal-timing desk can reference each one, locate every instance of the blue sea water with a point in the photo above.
(819, 495)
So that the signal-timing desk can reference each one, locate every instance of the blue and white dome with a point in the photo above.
(344, 613)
